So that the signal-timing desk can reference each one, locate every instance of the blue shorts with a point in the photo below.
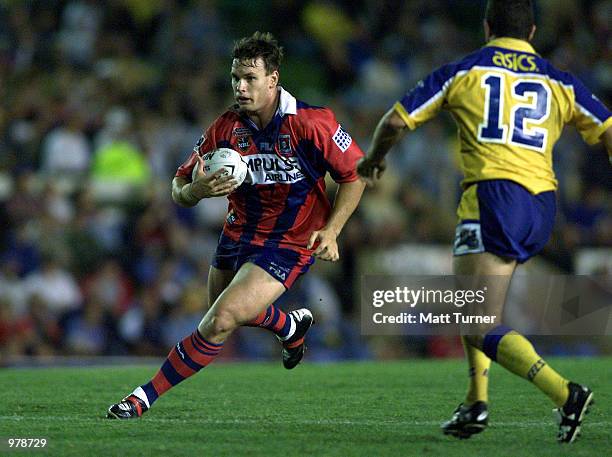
(505, 219)
(284, 265)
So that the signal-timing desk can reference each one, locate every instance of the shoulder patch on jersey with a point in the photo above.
(342, 139)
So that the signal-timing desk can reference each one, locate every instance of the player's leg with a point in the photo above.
(471, 416)
(478, 363)
(286, 266)
(249, 293)
(283, 264)
(290, 329)
(505, 346)
(478, 372)
(514, 352)
(273, 318)
(508, 222)
(218, 280)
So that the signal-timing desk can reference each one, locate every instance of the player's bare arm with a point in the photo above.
(188, 194)
(390, 129)
(347, 199)
(607, 141)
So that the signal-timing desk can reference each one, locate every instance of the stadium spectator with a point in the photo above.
(55, 285)
(119, 170)
(86, 331)
(77, 36)
(66, 150)
(141, 325)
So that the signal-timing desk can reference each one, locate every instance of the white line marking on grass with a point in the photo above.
(335, 422)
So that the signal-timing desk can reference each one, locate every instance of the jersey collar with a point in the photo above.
(512, 43)
(287, 104)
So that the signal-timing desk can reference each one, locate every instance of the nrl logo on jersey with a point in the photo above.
(244, 143)
(242, 140)
(273, 169)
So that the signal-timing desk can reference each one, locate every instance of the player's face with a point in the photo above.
(254, 90)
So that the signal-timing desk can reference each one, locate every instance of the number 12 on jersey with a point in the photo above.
(530, 107)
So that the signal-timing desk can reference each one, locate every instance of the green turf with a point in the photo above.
(352, 409)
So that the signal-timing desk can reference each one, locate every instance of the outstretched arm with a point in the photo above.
(347, 198)
(607, 141)
(390, 129)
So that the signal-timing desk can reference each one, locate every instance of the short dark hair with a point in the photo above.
(260, 44)
(510, 18)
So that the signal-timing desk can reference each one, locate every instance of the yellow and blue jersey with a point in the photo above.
(510, 105)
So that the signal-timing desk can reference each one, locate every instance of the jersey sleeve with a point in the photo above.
(427, 98)
(205, 144)
(340, 151)
(590, 116)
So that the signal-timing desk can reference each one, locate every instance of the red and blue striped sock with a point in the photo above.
(275, 320)
(184, 360)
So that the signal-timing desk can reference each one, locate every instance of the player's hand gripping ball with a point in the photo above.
(228, 159)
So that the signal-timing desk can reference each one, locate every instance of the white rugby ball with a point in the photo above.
(228, 159)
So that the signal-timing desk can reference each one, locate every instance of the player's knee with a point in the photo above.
(223, 322)
(218, 324)
(475, 340)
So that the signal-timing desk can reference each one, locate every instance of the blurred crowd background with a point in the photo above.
(101, 101)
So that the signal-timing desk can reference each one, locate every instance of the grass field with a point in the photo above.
(352, 409)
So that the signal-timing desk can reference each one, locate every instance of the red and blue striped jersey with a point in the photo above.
(283, 198)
